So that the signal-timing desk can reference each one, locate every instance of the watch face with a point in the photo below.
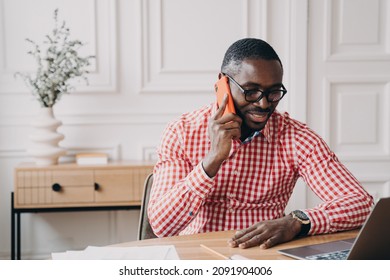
(304, 220)
(301, 216)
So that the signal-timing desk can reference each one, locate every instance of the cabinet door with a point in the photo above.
(120, 185)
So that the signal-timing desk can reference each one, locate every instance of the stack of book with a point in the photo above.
(91, 158)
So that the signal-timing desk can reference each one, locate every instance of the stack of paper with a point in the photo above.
(167, 252)
(91, 158)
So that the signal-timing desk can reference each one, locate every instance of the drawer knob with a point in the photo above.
(97, 186)
(56, 187)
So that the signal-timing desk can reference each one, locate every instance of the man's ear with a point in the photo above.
(219, 75)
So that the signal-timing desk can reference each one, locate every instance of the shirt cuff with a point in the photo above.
(199, 182)
(319, 221)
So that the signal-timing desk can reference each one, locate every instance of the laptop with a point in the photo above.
(372, 242)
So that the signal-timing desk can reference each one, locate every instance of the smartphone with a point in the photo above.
(221, 88)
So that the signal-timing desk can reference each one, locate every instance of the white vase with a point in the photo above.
(44, 146)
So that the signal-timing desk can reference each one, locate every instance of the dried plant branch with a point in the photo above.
(57, 66)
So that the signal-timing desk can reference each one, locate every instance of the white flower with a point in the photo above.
(57, 67)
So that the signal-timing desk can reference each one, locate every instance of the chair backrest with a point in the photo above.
(144, 229)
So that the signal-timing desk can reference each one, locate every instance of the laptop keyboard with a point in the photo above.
(337, 255)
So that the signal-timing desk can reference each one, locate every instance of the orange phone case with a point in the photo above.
(221, 88)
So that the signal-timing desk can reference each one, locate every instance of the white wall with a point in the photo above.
(159, 58)
(349, 86)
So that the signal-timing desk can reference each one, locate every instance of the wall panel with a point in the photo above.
(182, 49)
(358, 30)
(348, 84)
(93, 22)
(358, 117)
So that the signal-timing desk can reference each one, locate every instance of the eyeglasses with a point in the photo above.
(255, 95)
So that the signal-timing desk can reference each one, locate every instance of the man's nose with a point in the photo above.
(263, 103)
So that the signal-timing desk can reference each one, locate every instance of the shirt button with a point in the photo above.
(235, 172)
(231, 210)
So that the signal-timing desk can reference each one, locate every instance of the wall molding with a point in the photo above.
(328, 82)
(377, 52)
(298, 37)
(92, 119)
(156, 77)
(102, 76)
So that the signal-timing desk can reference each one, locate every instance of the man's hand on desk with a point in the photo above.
(266, 233)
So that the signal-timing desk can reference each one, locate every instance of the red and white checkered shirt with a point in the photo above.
(253, 184)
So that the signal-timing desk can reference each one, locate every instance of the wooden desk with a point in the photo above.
(188, 246)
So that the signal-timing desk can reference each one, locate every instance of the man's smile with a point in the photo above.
(257, 117)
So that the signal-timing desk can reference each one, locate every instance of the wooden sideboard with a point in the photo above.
(73, 187)
(70, 185)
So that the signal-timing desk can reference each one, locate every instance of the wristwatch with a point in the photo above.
(303, 219)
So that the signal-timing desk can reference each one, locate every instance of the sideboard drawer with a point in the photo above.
(73, 177)
(73, 195)
(120, 185)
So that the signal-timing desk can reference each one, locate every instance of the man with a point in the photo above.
(237, 171)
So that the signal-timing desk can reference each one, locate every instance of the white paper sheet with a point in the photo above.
(167, 252)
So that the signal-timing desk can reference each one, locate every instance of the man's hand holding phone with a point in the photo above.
(222, 129)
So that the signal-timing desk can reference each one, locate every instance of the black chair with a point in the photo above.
(144, 229)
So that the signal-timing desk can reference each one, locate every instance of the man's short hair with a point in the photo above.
(248, 48)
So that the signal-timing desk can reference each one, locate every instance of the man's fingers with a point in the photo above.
(234, 241)
(243, 236)
(222, 107)
(229, 125)
(260, 239)
(241, 233)
(265, 234)
(234, 124)
(254, 236)
(255, 240)
(270, 242)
